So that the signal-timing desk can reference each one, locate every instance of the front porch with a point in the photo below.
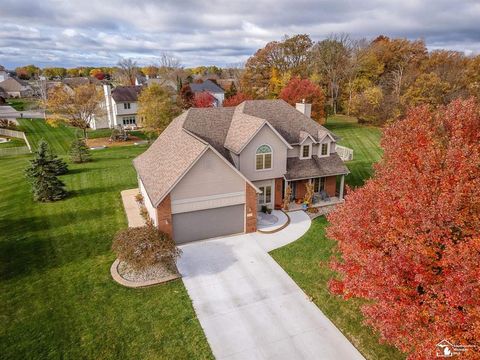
(327, 191)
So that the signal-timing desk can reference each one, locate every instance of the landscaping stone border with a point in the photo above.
(138, 284)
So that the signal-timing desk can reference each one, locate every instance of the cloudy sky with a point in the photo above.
(85, 32)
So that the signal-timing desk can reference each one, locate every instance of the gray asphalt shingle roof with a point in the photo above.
(126, 93)
(315, 167)
(207, 85)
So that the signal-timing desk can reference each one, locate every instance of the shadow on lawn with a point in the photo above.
(36, 249)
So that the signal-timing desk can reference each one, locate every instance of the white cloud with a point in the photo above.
(69, 33)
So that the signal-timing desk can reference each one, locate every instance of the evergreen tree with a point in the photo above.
(42, 174)
(79, 152)
(232, 91)
(58, 164)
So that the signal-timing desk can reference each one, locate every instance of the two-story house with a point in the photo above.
(121, 107)
(212, 169)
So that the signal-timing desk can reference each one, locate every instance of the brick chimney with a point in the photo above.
(304, 108)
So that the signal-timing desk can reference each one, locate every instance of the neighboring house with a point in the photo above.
(213, 89)
(212, 169)
(16, 88)
(121, 106)
(3, 73)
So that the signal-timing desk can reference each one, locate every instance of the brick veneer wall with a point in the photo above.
(278, 193)
(250, 209)
(331, 185)
(300, 189)
(164, 216)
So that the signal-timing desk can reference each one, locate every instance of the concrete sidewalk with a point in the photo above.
(250, 308)
(8, 112)
(132, 210)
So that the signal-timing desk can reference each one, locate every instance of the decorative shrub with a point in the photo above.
(264, 209)
(144, 212)
(143, 247)
(139, 198)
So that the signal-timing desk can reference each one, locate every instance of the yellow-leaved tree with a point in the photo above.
(76, 107)
(156, 108)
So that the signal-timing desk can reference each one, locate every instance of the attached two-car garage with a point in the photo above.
(208, 223)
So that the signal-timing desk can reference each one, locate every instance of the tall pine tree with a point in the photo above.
(42, 174)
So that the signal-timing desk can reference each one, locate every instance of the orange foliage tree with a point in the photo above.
(236, 99)
(299, 89)
(409, 239)
(203, 100)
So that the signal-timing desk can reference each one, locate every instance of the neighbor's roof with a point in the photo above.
(126, 93)
(207, 85)
(315, 167)
(169, 157)
(13, 84)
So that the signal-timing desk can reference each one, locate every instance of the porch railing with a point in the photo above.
(346, 154)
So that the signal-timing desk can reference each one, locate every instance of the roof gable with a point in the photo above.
(167, 159)
(288, 121)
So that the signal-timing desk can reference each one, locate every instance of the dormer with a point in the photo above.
(326, 143)
(306, 145)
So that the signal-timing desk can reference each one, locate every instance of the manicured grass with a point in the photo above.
(58, 299)
(59, 137)
(22, 104)
(306, 260)
(364, 140)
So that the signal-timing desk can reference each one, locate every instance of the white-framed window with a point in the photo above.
(324, 149)
(263, 157)
(318, 184)
(305, 151)
(266, 196)
(129, 120)
(126, 106)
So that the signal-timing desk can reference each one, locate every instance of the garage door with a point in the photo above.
(204, 224)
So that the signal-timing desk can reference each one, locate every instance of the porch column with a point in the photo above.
(342, 184)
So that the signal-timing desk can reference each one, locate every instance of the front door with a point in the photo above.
(265, 198)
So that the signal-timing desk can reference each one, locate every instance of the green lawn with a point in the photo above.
(59, 137)
(22, 104)
(306, 260)
(58, 299)
(364, 140)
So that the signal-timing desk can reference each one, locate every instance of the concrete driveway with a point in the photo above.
(250, 308)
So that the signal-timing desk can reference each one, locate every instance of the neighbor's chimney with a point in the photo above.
(304, 108)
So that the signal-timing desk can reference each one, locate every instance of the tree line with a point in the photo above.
(374, 80)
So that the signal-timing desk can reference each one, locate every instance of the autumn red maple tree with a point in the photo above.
(203, 100)
(236, 99)
(409, 239)
(299, 89)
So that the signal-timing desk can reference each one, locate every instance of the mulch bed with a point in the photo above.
(106, 141)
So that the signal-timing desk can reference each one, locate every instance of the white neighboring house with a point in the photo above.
(213, 89)
(121, 107)
(3, 73)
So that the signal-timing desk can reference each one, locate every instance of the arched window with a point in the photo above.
(263, 158)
